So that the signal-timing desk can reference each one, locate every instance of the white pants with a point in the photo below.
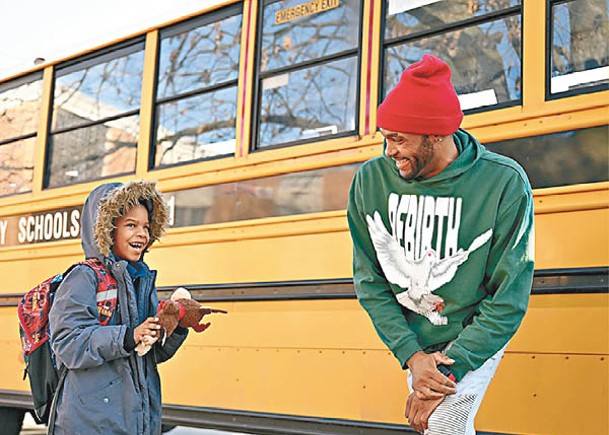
(455, 415)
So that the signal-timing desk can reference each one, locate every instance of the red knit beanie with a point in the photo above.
(423, 102)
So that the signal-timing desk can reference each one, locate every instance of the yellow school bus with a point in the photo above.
(253, 116)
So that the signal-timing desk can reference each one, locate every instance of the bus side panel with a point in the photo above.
(554, 376)
(297, 257)
(572, 239)
(548, 394)
(21, 269)
(11, 362)
(323, 358)
(308, 358)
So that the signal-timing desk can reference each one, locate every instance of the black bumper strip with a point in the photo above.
(549, 281)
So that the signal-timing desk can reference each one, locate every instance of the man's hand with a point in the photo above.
(419, 410)
(427, 381)
(148, 327)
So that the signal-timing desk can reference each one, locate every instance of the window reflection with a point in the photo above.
(201, 57)
(405, 17)
(485, 58)
(17, 166)
(95, 125)
(560, 159)
(99, 91)
(289, 38)
(19, 111)
(485, 61)
(196, 128)
(313, 102)
(289, 194)
(93, 152)
(308, 63)
(580, 47)
(197, 91)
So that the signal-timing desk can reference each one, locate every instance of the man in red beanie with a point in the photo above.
(442, 232)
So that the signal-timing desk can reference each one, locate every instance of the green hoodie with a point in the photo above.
(449, 258)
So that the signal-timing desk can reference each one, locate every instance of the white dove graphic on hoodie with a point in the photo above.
(420, 277)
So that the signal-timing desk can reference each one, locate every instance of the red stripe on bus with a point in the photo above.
(369, 67)
(244, 87)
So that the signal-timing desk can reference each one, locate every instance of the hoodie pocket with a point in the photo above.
(107, 394)
(113, 407)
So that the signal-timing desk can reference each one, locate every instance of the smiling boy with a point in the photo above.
(108, 388)
(132, 234)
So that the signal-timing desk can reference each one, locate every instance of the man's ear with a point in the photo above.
(436, 138)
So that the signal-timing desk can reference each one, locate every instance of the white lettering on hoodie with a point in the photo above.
(415, 220)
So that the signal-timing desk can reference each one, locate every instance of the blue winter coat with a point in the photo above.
(107, 390)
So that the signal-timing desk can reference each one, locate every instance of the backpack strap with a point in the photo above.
(107, 289)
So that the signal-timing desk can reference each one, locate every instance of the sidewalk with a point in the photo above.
(31, 428)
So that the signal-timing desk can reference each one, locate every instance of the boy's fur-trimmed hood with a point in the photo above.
(110, 201)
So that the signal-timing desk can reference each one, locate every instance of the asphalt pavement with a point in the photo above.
(31, 428)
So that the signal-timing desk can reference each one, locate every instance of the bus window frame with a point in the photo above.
(320, 61)
(15, 83)
(511, 11)
(7, 86)
(79, 63)
(205, 19)
(549, 96)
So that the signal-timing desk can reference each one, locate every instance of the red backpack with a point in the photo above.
(33, 311)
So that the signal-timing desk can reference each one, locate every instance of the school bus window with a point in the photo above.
(17, 167)
(405, 17)
(308, 63)
(296, 193)
(579, 51)
(19, 108)
(19, 111)
(294, 32)
(483, 52)
(95, 120)
(561, 159)
(197, 89)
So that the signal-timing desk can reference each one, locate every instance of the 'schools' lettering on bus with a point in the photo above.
(48, 226)
(310, 8)
(3, 227)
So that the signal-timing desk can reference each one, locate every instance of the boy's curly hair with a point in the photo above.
(120, 200)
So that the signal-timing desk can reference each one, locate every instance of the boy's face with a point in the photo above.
(132, 234)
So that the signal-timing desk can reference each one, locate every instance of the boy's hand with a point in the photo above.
(148, 327)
